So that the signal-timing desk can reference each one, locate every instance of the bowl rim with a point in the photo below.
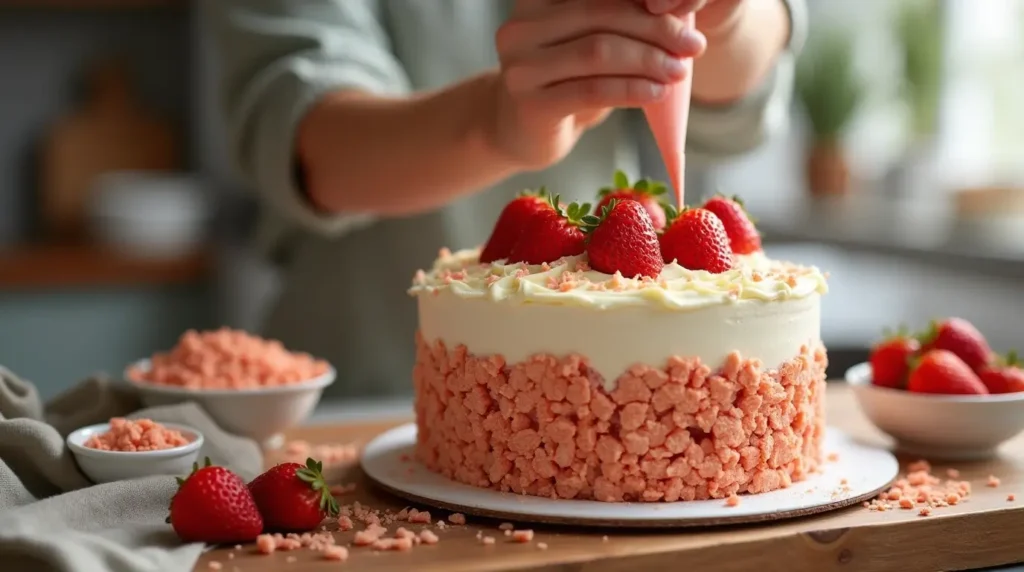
(76, 439)
(319, 382)
(859, 376)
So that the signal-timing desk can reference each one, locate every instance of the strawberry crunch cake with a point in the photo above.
(635, 354)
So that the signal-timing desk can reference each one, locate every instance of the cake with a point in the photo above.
(562, 380)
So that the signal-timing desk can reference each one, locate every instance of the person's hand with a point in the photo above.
(713, 16)
(566, 63)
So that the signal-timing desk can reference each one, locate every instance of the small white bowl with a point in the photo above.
(260, 414)
(108, 466)
(951, 427)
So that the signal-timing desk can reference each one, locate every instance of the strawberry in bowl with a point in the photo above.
(942, 393)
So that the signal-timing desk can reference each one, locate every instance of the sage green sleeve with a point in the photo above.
(276, 59)
(716, 133)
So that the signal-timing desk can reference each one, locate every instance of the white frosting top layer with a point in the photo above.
(570, 281)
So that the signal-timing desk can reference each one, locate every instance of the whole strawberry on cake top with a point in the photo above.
(600, 353)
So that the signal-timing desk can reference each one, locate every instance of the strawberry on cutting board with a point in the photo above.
(890, 359)
(743, 235)
(213, 505)
(696, 239)
(623, 240)
(292, 497)
(552, 233)
(511, 222)
(647, 192)
(960, 337)
(1004, 375)
(941, 371)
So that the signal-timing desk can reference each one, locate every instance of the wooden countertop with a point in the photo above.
(981, 532)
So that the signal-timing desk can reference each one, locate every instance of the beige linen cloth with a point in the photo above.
(53, 518)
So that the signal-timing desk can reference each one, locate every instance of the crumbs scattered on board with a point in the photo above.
(922, 490)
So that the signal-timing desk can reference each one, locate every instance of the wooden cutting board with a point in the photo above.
(110, 131)
(979, 533)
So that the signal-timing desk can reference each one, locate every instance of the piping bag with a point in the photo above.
(668, 119)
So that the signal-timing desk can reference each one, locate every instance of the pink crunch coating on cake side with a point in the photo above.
(547, 427)
(137, 435)
(228, 359)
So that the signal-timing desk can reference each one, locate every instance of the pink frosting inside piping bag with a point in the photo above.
(668, 119)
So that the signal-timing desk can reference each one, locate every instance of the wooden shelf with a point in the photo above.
(85, 265)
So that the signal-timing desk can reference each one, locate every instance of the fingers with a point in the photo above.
(597, 55)
(673, 6)
(598, 93)
(560, 22)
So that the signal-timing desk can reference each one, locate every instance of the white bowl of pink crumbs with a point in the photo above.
(250, 386)
(939, 426)
(124, 449)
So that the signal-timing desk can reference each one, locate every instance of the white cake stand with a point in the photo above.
(859, 473)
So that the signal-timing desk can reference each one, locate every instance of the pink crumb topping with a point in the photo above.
(266, 544)
(1011, 497)
(457, 518)
(365, 538)
(522, 536)
(337, 553)
(547, 427)
(920, 465)
(542, 545)
(228, 359)
(506, 526)
(345, 523)
(733, 500)
(214, 565)
(428, 537)
(993, 481)
(921, 489)
(135, 436)
(488, 540)
(330, 454)
(419, 517)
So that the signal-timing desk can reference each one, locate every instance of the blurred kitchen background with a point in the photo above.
(121, 224)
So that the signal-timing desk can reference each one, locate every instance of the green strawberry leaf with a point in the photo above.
(540, 193)
(901, 331)
(312, 473)
(621, 180)
(1011, 359)
(656, 188)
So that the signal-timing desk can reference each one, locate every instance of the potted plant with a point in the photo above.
(919, 34)
(830, 90)
(919, 31)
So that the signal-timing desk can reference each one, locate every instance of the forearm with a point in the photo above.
(399, 156)
(741, 52)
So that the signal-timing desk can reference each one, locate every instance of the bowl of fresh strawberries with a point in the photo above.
(942, 393)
